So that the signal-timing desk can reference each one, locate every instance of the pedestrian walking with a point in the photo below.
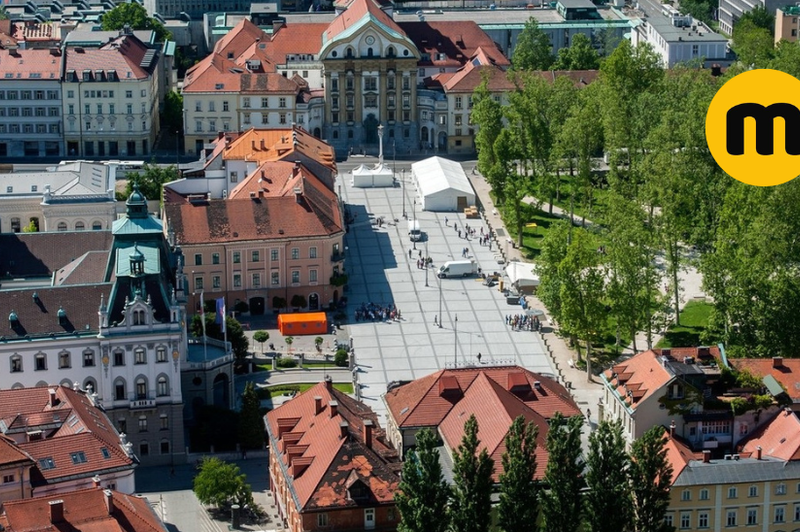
(435, 320)
(459, 233)
(409, 253)
(445, 220)
(420, 253)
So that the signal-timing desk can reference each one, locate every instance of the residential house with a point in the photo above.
(776, 371)
(756, 488)
(62, 441)
(330, 465)
(92, 508)
(76, 196)
(30, 102)
(495, 394)
(786, 24)
(109, 317)
(111, 98)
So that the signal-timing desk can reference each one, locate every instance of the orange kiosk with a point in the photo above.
(303, 323)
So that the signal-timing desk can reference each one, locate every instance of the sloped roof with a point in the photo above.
(85, 510)
(779, 438)
(239, 39)
(357, 15)
(271, 179)
(30, 64)
(678, 455)
(318, 463)
(642, 375)
(296, 38)
(213, 74)
(10, 453)
(41, 254)
(787, 372)
(124, 54)
(495, 409)
(425, 402)
(279, 144)
(458, 40)
(436, 174)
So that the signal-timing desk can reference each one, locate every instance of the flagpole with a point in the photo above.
(203, 320)
(225, 324)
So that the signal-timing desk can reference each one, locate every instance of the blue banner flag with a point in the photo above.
(220, 318)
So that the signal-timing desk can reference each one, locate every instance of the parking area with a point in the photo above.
(381, 272)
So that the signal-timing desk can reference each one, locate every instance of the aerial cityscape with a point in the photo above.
(387, 265)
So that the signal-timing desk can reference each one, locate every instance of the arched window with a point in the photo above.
(80, 226)
(66, 383)
(141, 388)
(138, 317)
(97, 225)
(120, 393)
(370, 53)
(62, 226)
(144, 449)
(17, 386)
(162, 387)
(15, 225)
(90, 385)
(16, 364)
(390, 51)
(139, 356)
(349, 53)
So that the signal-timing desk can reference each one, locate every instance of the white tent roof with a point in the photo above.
(378, 169)
(522, 273)
(436, 174)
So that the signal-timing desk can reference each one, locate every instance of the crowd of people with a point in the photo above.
(523, 322)
(376, 312)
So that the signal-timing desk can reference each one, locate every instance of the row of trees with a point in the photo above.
(662, 194)
(612, 491)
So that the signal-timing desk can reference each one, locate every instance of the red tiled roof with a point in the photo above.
(213, 73)
(10, 453)
(123, 54)
(495, 409)
(239, 39)
(271, 82)
(271, 179)
(321, 464)
(262, 145)
(459, 41)
(41, 254)
(642, 375)
(787, 373)
(357, 10)
(85, 510)
(28, 64)
(779, 438)
(420, 403)
(80, 427)
(678, 455)
(294, 39)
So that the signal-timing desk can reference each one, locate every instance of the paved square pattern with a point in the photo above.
(381, 272)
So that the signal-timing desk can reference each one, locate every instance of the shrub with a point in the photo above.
(340, 358)
(241, 306)
(286, 362)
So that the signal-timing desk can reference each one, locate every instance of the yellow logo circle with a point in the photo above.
(753, 127)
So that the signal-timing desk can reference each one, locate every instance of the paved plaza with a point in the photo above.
(381, 272)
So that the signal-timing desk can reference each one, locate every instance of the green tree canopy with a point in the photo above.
(650, 479)
(151, 180)
(760, 17)
(519, 492)
(753, 44)
(251, 423)
(561, 499)
(172, 117)
(261, 337)
(239, 342)
(471, 504)
(221, 484)
(423, 495)
(133, 15)
(533, 50)
(580, 55)
(608, 500)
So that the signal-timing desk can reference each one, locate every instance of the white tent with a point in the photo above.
(379, 175)
(522, 276)
(442, 185)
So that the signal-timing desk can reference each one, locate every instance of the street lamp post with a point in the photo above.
(415, 220)
(426, 263)
(440, 302)
(403, 190)
(455, 343)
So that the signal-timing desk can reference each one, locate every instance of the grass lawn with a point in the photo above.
(285, 389)
(532, 237)
(694, 319)
(307, 363)
(593, 212)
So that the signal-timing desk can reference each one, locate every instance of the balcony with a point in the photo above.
(143, 403)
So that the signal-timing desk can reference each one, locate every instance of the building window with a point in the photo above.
(141, 389)
(371, 100)
(234, 177)
(41, 362)
(668, 520)
(237, 280)
(255, 256)
(295, 253)
(780, 489)
(119, 391)
(246, 102)
(16, 364)
(282, 103)
(730, 519)
(752, 516)
(225, 106)
(702, 520)
(312, 252)
(8, 479)
(732, 493)
(458, 103)
(312, 276)
(215, 282)
(237, 257)
(78, 457)
(370, 83)
(780, 514)
(163, 422)
(198, 284)
(164, 447)
(63, 360)
(369, 518)
(686, 495)
(753, 491)
(322, 519)
(162, 386)
(295, 277)
(198, 259)
(282, 118)
(276, 279)
(703, 494)
(139, 356)
(797, 512)
(119, 358)
(686, 519)
(161, 354)
(144, 448)
(256, 280)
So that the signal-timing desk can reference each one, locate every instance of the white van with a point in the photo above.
(413, 231)
(457, 268)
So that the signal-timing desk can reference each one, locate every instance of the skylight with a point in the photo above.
(105, 452)
(46, 463)
(78, 458)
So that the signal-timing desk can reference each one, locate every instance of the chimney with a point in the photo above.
(706, 456)
(343, 427)
(109, 501)
(777, 362)
(53, 398)
(56, 511)
(96, 481)
(672, 430)
(368, 433)
(328, 382)
(334, 408)
(276, 25)
(758, 453)
(317, 405)
(298, 195)
(263, 145)
(260, 193)
(253, 144)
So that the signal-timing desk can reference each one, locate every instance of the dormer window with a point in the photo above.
(13, 320)
(62, 316)
(358, 491)
(139, 317)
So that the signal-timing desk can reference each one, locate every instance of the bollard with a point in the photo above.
(235, 516)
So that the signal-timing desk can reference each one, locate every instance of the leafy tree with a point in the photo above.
(261, 337)
(760, 17)
(172, 117)
(608, 500)
(487, 115)
(289, 341)
(340, 358)
(471, 504)
(753, 44)
(519, 493)
(423, 495)
(318, 342)
(151, 180)
(251, 423)
(134, 16)
(533, 50)
(580, 55)
(299, 301)
(221, 484)
(32, 227)
(650, 478)
(699, 9)
(279, 302)
(561, 500)
(553, 252)
(3, 13)
(236, 336)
